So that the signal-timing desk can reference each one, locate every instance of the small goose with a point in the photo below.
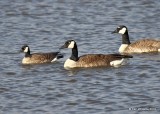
(91, 60)
(140, 46)
(37, 58)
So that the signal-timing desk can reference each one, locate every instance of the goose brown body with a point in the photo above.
(39, 58)
(143, 46)
(96, 60)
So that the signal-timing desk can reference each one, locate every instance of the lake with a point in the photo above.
(49, 88)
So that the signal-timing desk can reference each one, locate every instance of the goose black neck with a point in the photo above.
(27, 54)
(74, 55)
(125, 38)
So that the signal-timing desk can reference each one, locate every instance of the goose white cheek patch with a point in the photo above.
(71, 45)
(122, 31)
(26, 49)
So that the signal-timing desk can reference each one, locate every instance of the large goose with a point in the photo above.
(37, 58)
(91, 60)
(140, 46)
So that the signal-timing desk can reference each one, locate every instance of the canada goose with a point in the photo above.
(37, 58)
(140, 46)
(91, 60)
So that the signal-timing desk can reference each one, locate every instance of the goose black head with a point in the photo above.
(69, 44)
(120, 29)
(25, 49)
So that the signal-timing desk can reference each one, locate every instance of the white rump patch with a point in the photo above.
(69, 64)
(26, 49)
(158, 50)
(122, 48)
(123, 30)
(71, 45)
(118, 63)
(55, 59)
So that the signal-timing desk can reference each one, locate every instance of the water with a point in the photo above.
(46, 89)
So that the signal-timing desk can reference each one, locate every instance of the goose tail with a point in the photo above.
(59, 55)
(127, 56)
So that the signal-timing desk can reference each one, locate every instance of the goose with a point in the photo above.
(140, 46)
(91, 60)
(37, 58)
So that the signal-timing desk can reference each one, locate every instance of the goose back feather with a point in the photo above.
(96, 60)
(144, 45)
(40, 58)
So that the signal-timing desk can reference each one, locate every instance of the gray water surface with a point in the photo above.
(50, 89)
